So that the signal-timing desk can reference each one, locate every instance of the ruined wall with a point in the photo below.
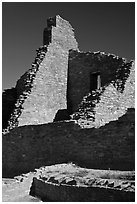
(42, 91)
(59, 78)
(9, 98)
(22, 89)
(109, 146)
(82, 65)
(47, 34)
(108, 104)
(69, 193)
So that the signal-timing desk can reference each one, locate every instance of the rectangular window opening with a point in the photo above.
(95, 81)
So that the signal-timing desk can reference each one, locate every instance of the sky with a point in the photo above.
(107, 27)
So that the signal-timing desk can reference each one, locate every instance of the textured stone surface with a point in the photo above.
(42, 90)
(106, 147)
(82, 65)
(47, 34)
(59, 81)
(68, 182)
(108, 103)
(23, 89)
(59, 84)
(67, 193)
(19, 188)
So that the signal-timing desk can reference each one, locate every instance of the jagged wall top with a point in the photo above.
(60, 33)
(57, 81)
(44, 87)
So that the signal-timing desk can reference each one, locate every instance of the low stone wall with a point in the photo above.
(110, 146)
(65, 193)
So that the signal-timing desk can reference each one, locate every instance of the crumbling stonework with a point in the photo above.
(110, 102)
(42, 90)
(29, 147)
(64, 81)
(111, 69)
(70, 183)
(71, 106)
(23, 188)
(23, 88)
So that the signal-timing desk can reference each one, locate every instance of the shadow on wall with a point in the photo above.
(62, 115)
(88, 72)
(9, 98)
(109, 147)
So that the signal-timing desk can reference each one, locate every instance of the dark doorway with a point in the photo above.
(95, 81)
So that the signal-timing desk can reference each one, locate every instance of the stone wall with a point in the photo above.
(82, 65)
(65, 193)
(9, 98)
(23, 89)
(42, 90)
(109, 102)
(29, 147)
(59, 83)
(47, 34)
(52, 84)
(113, 103)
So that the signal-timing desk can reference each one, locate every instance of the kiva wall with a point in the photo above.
(29, 147)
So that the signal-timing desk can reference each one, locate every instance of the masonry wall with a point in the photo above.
(29, 147)
(66, 193)
(82, 65)
(108, 103)
(42, 90)
(9, 98)
(22, 89)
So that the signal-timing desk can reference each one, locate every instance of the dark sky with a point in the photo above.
(108, 27)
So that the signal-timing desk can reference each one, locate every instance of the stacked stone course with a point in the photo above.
(100, 132)
(42, 89)
(110, 146)
(109, 102)
(24, 85)
(81, 65)
(58, 83)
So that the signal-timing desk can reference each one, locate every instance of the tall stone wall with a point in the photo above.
(110, 146)
(108, 104)
(82, 65)
(40, 98)
(59, 78)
